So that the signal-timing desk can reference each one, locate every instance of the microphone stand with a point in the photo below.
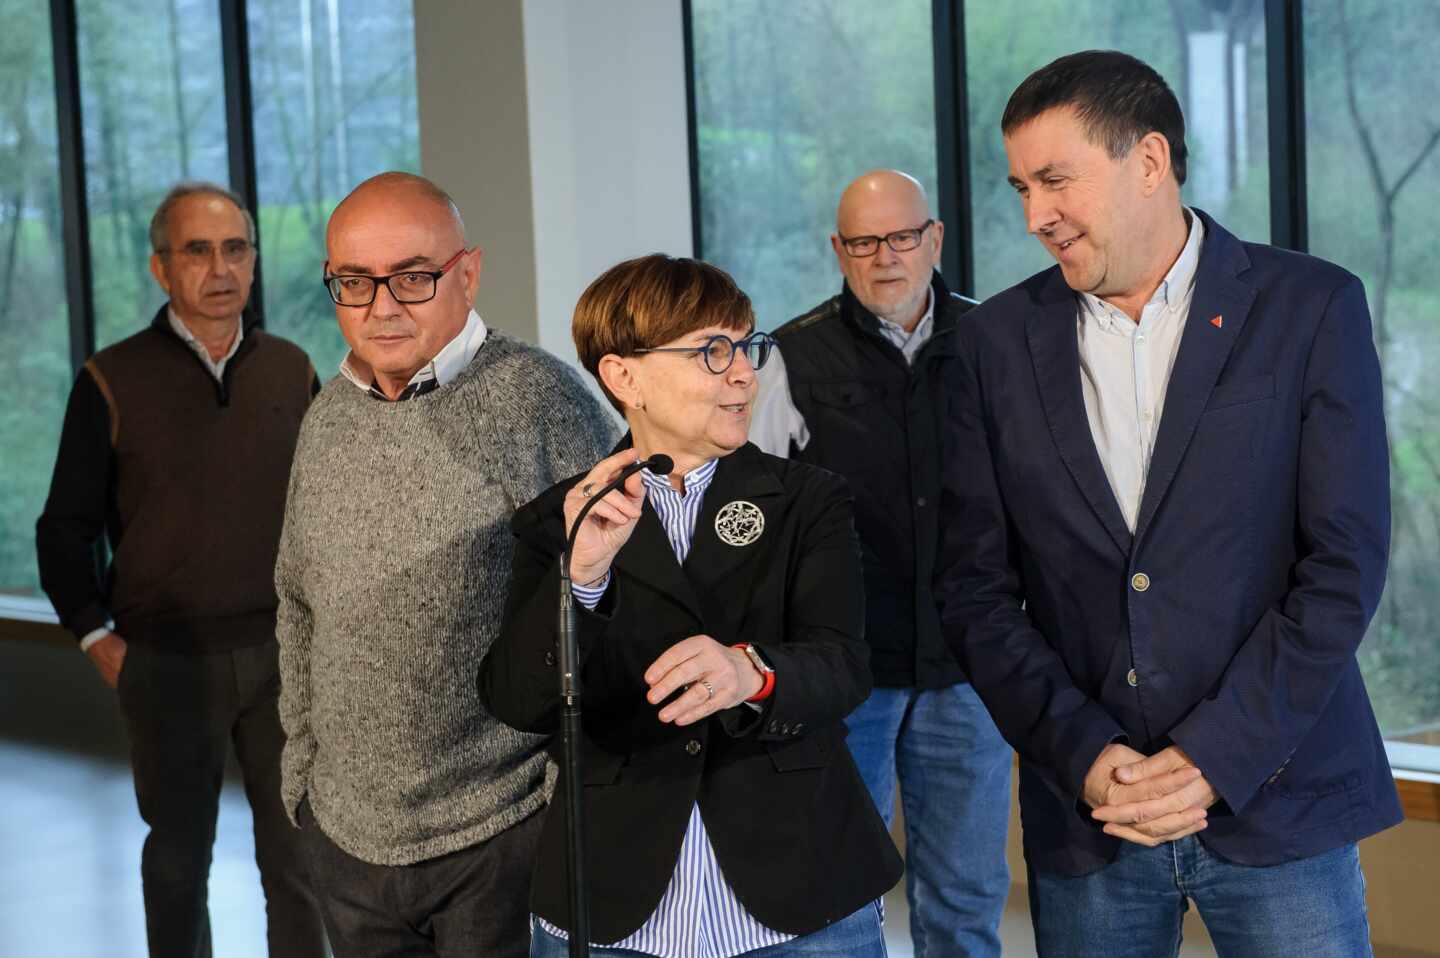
(570, 714)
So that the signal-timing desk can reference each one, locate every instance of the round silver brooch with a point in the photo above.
(739, 523)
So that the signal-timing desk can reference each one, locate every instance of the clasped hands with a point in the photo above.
(1148, 801)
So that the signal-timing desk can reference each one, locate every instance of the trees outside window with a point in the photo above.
(1211, 52)
(334, 91)
(152, 96)
(35, 372)
(1372, 100)
(792, 102)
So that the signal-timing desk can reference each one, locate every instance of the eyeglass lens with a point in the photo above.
(720, 354)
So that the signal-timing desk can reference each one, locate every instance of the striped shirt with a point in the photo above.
(699, 915)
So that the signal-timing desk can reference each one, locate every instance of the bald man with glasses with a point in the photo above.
(417, 808)
(853, 389)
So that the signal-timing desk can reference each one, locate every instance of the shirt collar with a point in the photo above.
(443, 369)
(1174, 290)
(177, 325)
(695, 480)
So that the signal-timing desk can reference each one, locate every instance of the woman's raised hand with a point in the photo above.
(609, 524)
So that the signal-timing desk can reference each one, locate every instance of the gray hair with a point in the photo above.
(159, 223)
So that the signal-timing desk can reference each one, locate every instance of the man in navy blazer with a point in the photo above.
(1166, 521)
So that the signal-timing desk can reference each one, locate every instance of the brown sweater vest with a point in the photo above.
(200, 470)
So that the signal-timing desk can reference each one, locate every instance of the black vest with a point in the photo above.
(875, 420)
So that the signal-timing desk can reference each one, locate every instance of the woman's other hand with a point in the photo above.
(716, 677)
(609, 524)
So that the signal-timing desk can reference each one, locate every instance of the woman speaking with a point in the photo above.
(720, 640)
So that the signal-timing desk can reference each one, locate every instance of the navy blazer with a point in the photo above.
(1257, 560)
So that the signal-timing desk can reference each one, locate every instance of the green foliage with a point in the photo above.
(794, 101)
(1360, 220)
(34, 330)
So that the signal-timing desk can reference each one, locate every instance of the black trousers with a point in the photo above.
(183, 712)
(468, 904)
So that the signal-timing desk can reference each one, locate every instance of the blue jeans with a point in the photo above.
(856, 936)
(1133, 907)
(954, 774)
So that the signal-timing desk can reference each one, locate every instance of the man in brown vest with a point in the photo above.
(177, 446)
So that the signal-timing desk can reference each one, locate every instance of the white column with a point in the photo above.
(560, 128)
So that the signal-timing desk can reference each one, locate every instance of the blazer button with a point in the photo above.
(692, 747)
(774, 728)
(1140, 582)
(1132, 678)
(549, 658)
(798, 727)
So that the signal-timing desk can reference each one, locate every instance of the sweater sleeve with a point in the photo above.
(294, 628)
(69, 529)
(575, 431)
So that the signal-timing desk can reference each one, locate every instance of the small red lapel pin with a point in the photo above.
(1218, 321)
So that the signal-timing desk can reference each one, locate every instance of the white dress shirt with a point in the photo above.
(1125, 371)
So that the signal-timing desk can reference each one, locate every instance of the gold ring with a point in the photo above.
(709, 689)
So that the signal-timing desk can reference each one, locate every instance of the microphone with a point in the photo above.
(660, 464)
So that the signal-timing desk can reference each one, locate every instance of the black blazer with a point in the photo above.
(792, 825)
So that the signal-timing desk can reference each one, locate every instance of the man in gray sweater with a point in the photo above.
(417, 807)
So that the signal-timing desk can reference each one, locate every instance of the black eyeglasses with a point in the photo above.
(411, 286)
(719, 351)
(901, 241)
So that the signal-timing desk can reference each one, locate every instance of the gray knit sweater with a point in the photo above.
(392, 575)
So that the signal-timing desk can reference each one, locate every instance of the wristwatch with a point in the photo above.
(761, 666)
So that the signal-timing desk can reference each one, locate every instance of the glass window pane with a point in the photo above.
(1214, 61)
(334, 92)
(35, 372)
(1372, 95)
(792, 102)
(153, 101)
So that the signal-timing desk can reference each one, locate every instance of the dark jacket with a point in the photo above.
(874, 419)
(186, 477)
(1227, 624)
(792, 825)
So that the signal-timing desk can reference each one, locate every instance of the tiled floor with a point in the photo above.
(70, 836)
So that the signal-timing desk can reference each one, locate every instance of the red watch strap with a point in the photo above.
(768, 675)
